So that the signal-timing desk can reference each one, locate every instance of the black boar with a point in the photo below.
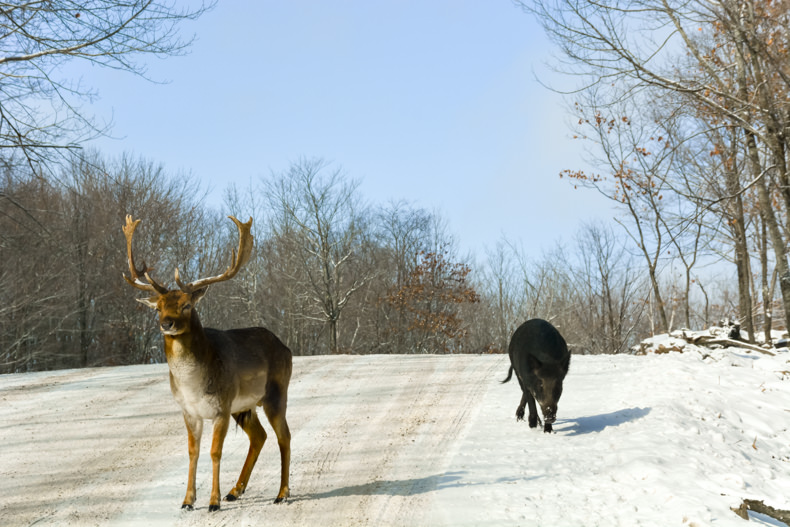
(541, 359)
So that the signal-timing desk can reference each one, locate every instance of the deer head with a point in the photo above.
(175, 306)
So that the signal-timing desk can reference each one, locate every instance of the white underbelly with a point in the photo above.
(243, 403)
(208, 407)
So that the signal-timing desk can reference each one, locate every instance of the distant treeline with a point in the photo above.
(329, 273)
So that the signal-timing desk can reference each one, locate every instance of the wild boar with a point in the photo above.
(540, 357)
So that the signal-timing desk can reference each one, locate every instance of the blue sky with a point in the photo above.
(434, 102)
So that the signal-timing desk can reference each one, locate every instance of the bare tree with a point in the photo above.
(402, 232)
(728, 59)
(62, 302)
(502, 291)
(40, 107)
(607, 291)
(405, 231)
(326, 222)
(636, 181)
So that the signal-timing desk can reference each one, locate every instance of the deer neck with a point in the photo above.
(191, 346)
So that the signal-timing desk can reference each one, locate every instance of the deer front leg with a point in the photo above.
(194, 431)
(218, 438)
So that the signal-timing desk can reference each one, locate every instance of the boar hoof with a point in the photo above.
(533, 421)
(520, 413)
(547, 428)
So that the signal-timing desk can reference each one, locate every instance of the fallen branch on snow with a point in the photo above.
(762, 508)
(704, 341)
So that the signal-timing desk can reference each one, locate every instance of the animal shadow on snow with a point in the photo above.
(594, 424)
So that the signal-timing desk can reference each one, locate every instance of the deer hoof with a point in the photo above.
(187, 507)
(231, 497)
(213, 508)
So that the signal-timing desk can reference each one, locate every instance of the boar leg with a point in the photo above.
(521, 405)
(533, 409)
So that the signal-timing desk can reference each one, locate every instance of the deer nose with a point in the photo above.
(166, 325)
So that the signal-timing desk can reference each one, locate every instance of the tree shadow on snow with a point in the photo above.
(404, 487)
(598, 423)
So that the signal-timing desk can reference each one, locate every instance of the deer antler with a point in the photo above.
(237, 260)
(136, 273)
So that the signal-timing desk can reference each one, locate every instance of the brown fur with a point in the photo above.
(217, 374)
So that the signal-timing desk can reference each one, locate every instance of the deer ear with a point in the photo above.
(150, 301)
(198, 294)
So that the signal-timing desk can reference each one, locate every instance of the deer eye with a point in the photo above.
(186, 307)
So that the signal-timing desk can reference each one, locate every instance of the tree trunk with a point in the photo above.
(767, 293)
(686, 306)
(662, 313)
(741, 252)
(333, 348)
(768, 216)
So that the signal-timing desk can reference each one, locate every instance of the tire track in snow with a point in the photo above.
(438, 437)
(393, 424)
(361, 419)
(73, 453)
(370, 438)
(370, 443)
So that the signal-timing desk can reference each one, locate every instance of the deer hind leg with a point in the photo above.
(194, 431)
(274, 405)
(220, 430)
(249, 422)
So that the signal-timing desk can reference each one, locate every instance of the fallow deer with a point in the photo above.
(218, 374)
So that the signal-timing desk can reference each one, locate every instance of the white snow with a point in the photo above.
(670, 439)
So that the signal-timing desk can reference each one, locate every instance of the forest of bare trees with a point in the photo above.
(329, 273)
(685, 110)
(685, 107)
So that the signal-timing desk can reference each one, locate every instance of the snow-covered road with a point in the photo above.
(413, 440)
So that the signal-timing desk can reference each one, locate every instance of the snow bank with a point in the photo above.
(715, 338)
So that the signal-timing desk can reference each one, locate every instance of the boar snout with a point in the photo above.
(549, 417)
(549, 413)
